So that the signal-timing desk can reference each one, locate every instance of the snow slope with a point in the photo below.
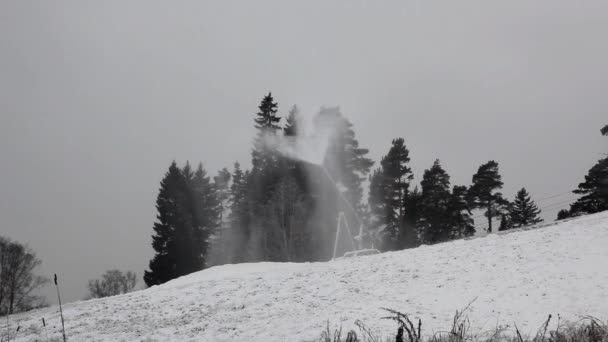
(517, 277)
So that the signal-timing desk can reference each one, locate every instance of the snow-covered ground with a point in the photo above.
(517, 277)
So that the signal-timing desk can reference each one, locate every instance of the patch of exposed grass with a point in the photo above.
(588, 329)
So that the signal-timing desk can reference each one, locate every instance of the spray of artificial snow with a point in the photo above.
(310, 144)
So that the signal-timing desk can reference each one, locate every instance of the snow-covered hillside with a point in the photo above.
(517, 277)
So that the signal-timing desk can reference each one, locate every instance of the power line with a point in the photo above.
(537, 201)
(560, 205)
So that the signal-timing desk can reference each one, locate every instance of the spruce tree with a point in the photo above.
(220, 240)
(266, 173)
(239, 217)
(523, 211)
(505, 223)
(435, 198)
(187, 216)
(170, 219)
(593, 191)
(206, 213)
(267, 125)
(482, 193)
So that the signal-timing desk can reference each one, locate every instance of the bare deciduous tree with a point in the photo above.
(112, 283)
(18, 283)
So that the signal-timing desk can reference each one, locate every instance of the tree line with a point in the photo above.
(286, 210)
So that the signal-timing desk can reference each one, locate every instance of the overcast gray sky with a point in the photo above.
(98, 97)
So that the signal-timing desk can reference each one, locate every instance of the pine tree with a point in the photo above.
(221, 182)
(397, 176)
(345, 161)
(523, 211)
(267, 124)
(412, 207)
(239, 231)
(169, 204)
(265, 175)
(187, 215)
(220, 240)
(388, 187)
(291, 126)
(563, 214)
(285, 219)
(435, 197)
(459, 218)
(505, 223)
(482, 195)
(206, 213)
(593, 191)
(376, 201)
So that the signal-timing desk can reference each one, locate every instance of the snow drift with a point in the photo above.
(517, 277)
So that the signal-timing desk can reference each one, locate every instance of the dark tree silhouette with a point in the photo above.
(482, 193)
(435, 197)
(388, 187)
(18, 283)
(459, 214)
(112, 283)
(593, 191)
(188, 213)
(523, 211)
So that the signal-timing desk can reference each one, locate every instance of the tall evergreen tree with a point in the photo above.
(220, 240)
(221, 182)
(376, 201)
(459, 214)
(593, 191)
(413, 207)
(346, 162)
(285, 222)
(397, 175)
(239, 231)
(388, 188)
(435, 198)
(187, 215)
(169, 204)
(482, 193)
(265, 175)
(523, 211)
(206, 214)
(267, 124)
(345, 166)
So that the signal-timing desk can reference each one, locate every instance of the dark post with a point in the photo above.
(60, 309)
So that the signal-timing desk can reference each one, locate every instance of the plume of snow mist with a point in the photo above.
(311, 144)
(311, 141)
